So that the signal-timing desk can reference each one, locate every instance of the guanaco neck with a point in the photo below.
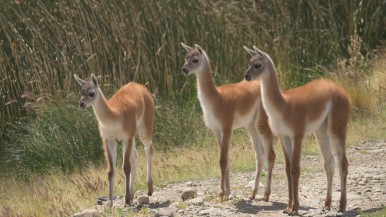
(206, 87)
(272, 96)
(104, 113)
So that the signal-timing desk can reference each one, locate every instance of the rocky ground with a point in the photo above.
(366, 191)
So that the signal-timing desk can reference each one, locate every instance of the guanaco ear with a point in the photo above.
(257, 50)
(80, 81)
(187, 48)
(94, 80)
(198, 48)
(251, 52)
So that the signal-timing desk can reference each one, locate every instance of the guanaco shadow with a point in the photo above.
(245, 206)
(358, 211)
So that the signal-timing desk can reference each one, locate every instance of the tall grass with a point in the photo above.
(65, 137)
(44, 42)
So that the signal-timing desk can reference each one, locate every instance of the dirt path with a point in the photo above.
(366, 190)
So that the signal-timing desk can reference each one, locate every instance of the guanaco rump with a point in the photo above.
(128, 113)
(320, 106)
(229, 107)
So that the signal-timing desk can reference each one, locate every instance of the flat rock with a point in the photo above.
(210, 211)
(143, 199)
(168, 211)
(188, 193)
(197, 201)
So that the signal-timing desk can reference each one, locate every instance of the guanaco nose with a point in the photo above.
(82, 104)
(247, 77)
(185, 70)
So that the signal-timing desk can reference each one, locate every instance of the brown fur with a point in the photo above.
(128, 113)
(297, 108)
(226, 104)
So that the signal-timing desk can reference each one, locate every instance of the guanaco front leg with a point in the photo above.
(287, 150)
(271, 156)
(259, 156)
(224, 164)
(110, 146)
(295, 173)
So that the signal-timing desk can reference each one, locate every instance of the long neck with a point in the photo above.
(205, 84)
(103, 112)
(271, 94)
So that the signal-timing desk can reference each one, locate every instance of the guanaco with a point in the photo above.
(229, 107)
(320, 106)
(128, 113)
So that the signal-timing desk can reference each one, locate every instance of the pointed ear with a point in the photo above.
(251, 52)
(187, 48)
(80, 81)
(94, 80)
(257, 50)
(198, 48)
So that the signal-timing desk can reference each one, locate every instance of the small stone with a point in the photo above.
(199, 201)
(143, 199)
(166, 212)
(378, 190)
(188, 193)
(210, 211)
(189, 183)
(362, 183)
(368, 190)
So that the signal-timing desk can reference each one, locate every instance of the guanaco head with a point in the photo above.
(257, 63)
(194, 59)
(89, 91)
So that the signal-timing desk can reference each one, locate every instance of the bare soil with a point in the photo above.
(366, 190)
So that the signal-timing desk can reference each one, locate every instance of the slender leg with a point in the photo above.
(267, 141)
(149, 154)
(218, 135)
(127, 153)
(337, 130)
(259, 155)
(270, 156)
(287, 150)
(110, 147)
(295, 172)
(133, 161)
(224, 161)
(329, 161)
(340, 150)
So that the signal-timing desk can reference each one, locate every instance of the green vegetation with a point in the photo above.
(51, 159)
(44, 43)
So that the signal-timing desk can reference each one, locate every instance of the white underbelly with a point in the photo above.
(314, 125)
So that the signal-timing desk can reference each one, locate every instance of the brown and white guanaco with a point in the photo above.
(320, 106)
(229, 107)
(128, 113)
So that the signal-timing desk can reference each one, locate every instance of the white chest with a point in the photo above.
(278, 126)
(114, 131)
(209, 119)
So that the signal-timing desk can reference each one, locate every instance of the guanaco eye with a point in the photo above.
(91, 94)
(257, 66)
(195, 61)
